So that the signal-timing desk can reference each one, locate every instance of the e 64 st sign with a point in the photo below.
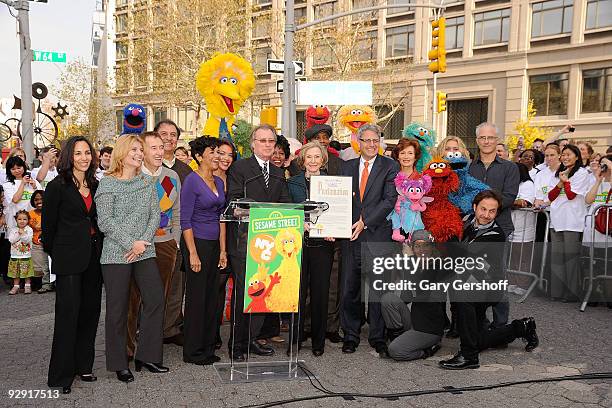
(48, 56)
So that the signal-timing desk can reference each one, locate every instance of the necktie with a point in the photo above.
(364, 179)
(264, 170)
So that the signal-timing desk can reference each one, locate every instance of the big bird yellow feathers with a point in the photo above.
(225, 81)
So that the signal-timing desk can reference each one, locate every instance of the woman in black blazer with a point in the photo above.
(70, 235)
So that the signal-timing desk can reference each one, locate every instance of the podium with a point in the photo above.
(278, 370)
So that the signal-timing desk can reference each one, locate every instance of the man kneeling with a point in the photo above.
(479, 230)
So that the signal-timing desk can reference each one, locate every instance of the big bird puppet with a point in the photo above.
(353, 117)
(225, 81)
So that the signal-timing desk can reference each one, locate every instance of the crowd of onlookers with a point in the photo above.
(142, 218)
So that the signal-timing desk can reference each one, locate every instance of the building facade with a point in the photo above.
(500, 54)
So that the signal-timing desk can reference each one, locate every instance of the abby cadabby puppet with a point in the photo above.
(411, 202)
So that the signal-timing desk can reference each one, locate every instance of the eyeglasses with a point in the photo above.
(266, 141)
(370, 141)
(486, 138)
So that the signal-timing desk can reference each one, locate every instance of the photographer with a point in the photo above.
(480, 230)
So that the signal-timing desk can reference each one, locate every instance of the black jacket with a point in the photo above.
(378, 200)
(246, 172)
(66, 227)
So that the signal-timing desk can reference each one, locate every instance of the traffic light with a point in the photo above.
(441, 101)
(268, 116)
(437, 55)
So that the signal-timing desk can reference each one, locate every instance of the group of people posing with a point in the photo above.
(147, 226)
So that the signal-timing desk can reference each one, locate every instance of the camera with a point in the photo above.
(604, 168)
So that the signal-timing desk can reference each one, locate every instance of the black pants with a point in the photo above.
(201, 293)
(77, 312)
(474, 334)
(224, 275)
(240, 321)
(316, 271)
(150, 340)
(352, 308)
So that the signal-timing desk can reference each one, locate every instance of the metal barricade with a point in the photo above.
(535, 270)
(593, 258)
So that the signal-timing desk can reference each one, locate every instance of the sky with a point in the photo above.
(58, 25)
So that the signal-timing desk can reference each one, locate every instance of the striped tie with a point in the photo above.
(264, 170)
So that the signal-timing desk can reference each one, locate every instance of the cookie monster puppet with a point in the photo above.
(468, 186)
(134, 119)
(425, 137)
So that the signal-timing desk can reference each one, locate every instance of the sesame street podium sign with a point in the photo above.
(274, 260)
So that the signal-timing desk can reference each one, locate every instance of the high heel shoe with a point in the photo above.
(88, 377)
(152, 367)
(125, 375)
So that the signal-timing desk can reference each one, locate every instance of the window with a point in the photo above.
(359, 4)
(398, 10)
(121, 49)
(324, 54)
(491, 27)
(599, 14)
(300, 15)
(160, 114)
(121, 22)
(185, 118)
(261, 2)
(121, 78)
(552, 17)
(141, 76)
(549, 93)
(261, 26)
(325, 10)
(597, 90)
(121, 3)
(454, 33)
(261, 55)
(400, 41)
(366, 46)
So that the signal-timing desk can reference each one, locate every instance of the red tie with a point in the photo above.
(364, 180)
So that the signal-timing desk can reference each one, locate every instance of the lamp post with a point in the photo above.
(288, 126)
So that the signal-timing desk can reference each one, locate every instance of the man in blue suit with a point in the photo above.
(374, 196)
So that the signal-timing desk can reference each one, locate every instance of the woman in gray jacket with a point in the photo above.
(128, 215)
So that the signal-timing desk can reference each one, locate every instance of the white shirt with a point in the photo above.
(362, 165)
(263, 163)
(600, 240)
(51, 174)
(541, 182)
(568, 215)
(524, 221)
(533, 172)
(10, 208)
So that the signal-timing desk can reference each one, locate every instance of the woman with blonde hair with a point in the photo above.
(318, 254)
(452, 144)
(128, 215)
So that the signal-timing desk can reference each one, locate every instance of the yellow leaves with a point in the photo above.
(527, 130)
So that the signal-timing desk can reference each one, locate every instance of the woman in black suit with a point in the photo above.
(317, 253)
(70, 235)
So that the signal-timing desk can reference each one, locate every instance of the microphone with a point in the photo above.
(247, 181)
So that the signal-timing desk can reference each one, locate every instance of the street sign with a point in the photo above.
(279, 84)
(278, 67)
(48, 56)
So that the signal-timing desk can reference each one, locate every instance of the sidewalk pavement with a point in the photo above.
(571, 343)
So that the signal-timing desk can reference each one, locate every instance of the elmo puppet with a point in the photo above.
(441, 218)
(316, 115)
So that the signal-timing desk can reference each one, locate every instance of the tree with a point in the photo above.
(172, 40)
(87, 116)
(527, 130)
